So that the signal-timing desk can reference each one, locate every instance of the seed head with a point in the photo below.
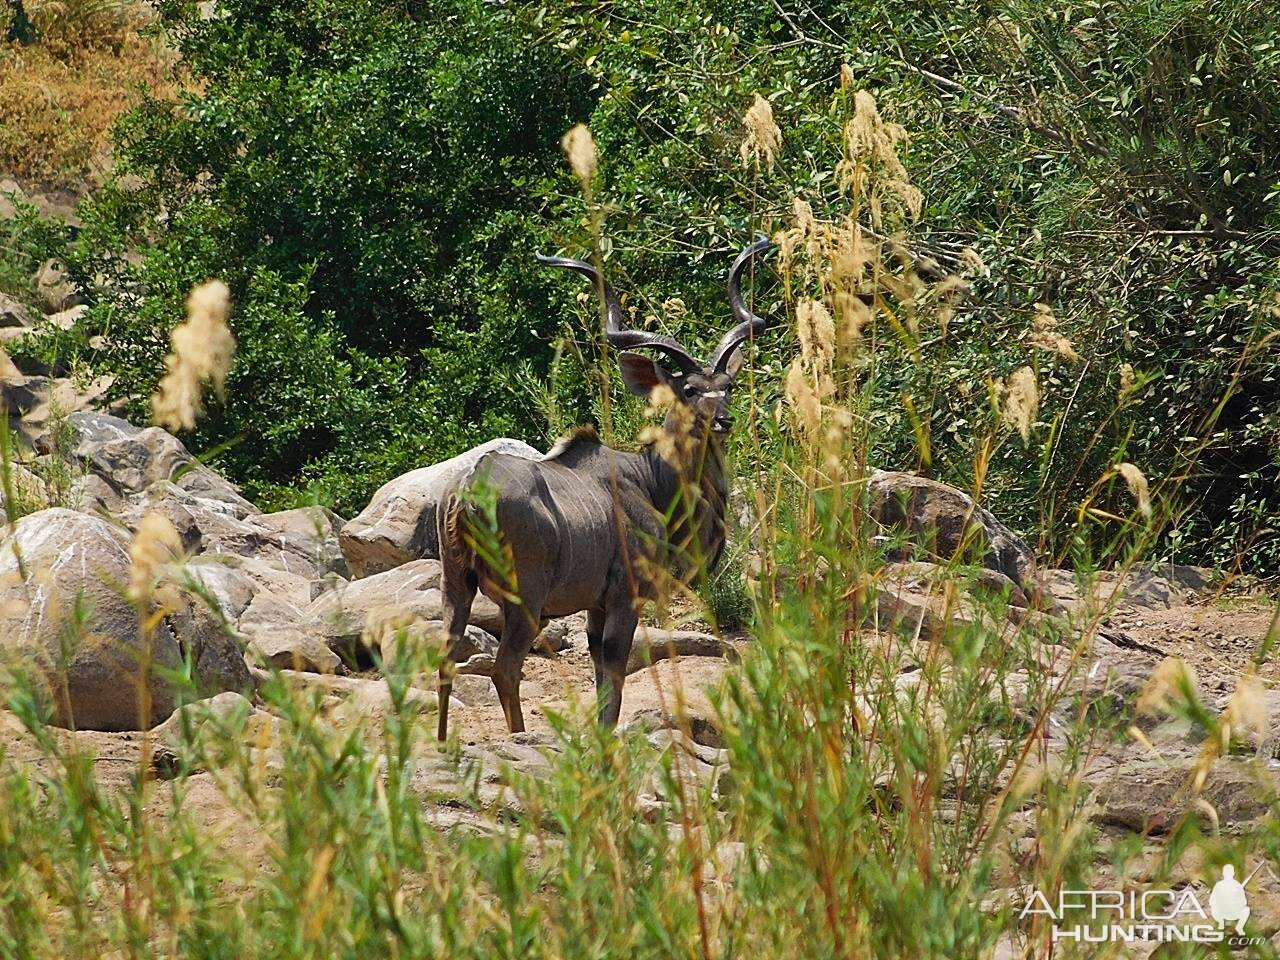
(763, 141)
(1021, 400)
(1136, 481)
(1044, 334)
(580, 148)
(200, 352)
(155, 549)
(1171, 680)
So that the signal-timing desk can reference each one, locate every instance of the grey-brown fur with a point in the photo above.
(584, 528)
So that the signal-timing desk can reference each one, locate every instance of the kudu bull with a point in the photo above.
(587, 527)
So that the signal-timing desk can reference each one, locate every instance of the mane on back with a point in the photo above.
(583, 442)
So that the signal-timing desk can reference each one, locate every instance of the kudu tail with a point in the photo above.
(458, 582)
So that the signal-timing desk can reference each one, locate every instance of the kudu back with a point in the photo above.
(586, 527)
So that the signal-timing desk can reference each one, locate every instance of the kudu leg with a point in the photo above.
(456, 601)
(614, 646)
(519, 629)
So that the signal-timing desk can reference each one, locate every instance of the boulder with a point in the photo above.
(649, 645)
(134, 460)
(224, 584)
(67, 319)
(277, 636)
(10, 192)
(55, 288)
(13, 313)
(1151, 796)
(312, 557)
(940, 522)
(299, 588)
(30, 492)
(399, 524)
(474, 653)
(310, 531)
(36, 403)
(208, 641)
(352, 616)
(65, 622)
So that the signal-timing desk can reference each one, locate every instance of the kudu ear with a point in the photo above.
(641, 374)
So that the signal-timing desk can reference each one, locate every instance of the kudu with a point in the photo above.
(587, 527)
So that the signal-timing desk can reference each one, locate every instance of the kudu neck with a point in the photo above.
(688, 474)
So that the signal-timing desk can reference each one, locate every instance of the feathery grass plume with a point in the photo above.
(948, 291)
(156, 548)
(200, 352)
(1005, 38)
(1044, 334)
(674, 310)
(1127, 383)
(673, 441)
(763, 140)
(871, 169)
(1246, 710)
(972, 264)
(1136, 481)
(855, 314)
(580, 147)
(1020, 400)
(803, 398)
(1173, 681)
(850, 255)
(817, 334)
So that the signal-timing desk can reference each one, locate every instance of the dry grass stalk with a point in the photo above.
(972, 264)
(1246, 710)
(1128, 382)
(1171, 682)
(1020, 401)
(1045, 335)
(673, 441)
(580, 147)
(201, 349)
(871, 169)
(156, 548)
(803, 398)
(763, 141)
(1136, 481)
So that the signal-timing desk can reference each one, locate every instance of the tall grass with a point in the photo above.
(881, 791)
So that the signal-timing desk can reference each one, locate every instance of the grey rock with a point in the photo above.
(132, 460)
(313, 529)
(35, 402)
(10, 192)
(278, 636)
(354, 615)
(1150, 796)
(55, 288)
(399, 524)
(939, 521)
(67, 319)
(651, 645)
(13, 313)
(68, 585)
(474, 653)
